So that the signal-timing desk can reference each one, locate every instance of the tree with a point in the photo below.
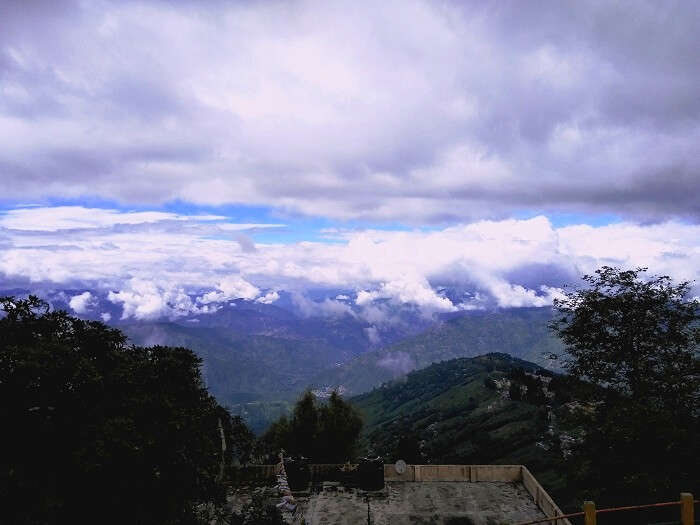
(515, 391)
(96, 427)
(305, 426)
(340, 426)
(634, 342)
(323, 432)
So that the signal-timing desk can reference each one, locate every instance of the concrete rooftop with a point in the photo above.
(429, 502)
(417, 495)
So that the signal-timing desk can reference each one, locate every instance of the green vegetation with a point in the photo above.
(259, 376)
(95, 423)
(454, 412)
(322, 432)
(241, 368)
(259, 415)
(637, 339)
(521, 332)
(95, 429)
(621, 428)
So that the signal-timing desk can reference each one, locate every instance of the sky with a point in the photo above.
(176, 155)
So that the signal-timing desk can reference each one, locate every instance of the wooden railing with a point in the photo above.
(590, 513)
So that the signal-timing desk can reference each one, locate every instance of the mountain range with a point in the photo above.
(257, 358)
(519, 332)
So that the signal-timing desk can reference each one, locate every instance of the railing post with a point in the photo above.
(589, 513)
(687, 508)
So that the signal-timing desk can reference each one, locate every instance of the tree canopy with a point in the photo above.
(324, 432)
(634, 340)
(95, 427)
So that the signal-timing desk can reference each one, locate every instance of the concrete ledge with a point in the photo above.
(543, 500)
(508, 473)
(390, 473)
(471, 473)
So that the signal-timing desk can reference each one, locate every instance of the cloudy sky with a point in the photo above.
(175, 155)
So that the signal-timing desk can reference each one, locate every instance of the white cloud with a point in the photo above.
(106, 317)
(373, 335)
(414, 291)
(268, 298)
(413, 110)
(183, 269)
(143, 299)
(399, 363)
(325, 308)
(76, 217)
(248, 226)
(231, 287)
(81, 303)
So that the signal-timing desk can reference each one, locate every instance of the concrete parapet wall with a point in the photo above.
(476, 473)
(467, 473)
(390, 473)
(435, 473)
(508, 473)
(544, 502)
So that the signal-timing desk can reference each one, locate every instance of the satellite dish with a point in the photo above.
(400, 466)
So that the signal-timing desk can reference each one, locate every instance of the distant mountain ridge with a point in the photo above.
(243, 367)
(521, 332)
(255, 354)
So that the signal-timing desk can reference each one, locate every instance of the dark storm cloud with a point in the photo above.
(411, 111)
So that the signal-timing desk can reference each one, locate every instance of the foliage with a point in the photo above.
(241, 444)
(259, 415)
(520, 332)
(97, 428)
(323, 432)
(526, 387)
(339, 429)
(453, 412)
(243, 368)
(637, 340)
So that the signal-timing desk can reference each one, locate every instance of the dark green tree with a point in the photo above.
(304, 426)
(635, 340)
(322, 432)
(277, 437)
(408, 447)
(515, 391)
(339, 430)
(98, 429)
(241, 444)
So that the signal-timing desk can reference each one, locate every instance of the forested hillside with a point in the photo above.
(258, 375)
(521, 332)
(492, 409)
(242, 368)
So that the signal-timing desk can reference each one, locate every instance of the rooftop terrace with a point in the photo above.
(424, 502)
(424, 494)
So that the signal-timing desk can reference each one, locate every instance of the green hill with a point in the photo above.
(240, 368)
(520, 332)
(461, 412)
